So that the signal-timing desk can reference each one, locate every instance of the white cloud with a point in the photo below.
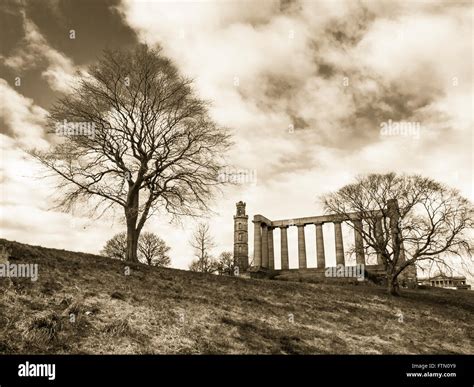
(24, 119)
(214, 44)
(33, 50)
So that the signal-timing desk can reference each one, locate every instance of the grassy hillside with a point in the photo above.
(172, 311)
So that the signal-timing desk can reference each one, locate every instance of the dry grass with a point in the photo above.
(86, 304)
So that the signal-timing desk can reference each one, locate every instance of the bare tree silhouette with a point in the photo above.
(116, 247)
(203, 243)
(428, 222)
(153, 145)
(153, 250)
(226, 264)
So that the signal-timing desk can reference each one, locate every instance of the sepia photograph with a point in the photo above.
(217, 185)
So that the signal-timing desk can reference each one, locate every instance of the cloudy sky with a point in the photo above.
(305, 87)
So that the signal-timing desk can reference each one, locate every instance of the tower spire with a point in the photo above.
(241, 238)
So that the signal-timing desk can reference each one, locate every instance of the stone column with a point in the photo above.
(320, 246)
(264, 245)
(359, 242)
(271, 252)
(284, 248)
(339, 243)
(257, 244)
(301, 248)
(379, 238)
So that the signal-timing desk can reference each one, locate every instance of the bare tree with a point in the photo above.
(153, 250)
(152, 145)
(116, 247)
(203, 243)
(428, 222)
(225, 263)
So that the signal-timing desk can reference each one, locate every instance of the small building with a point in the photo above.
(444, 281)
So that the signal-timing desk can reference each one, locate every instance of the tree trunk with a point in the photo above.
(131, 214)
(132, 244)
(393, 285)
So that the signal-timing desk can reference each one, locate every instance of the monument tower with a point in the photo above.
(241, 238)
